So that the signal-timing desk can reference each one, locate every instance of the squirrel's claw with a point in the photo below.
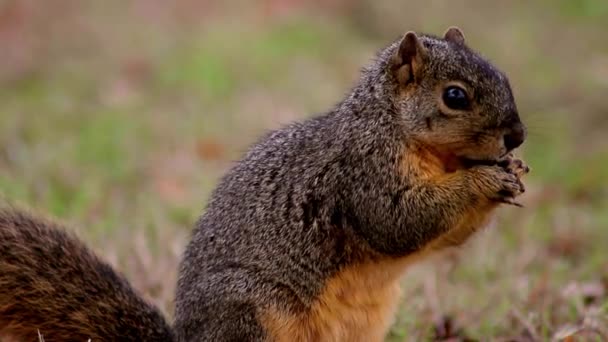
(514, 165)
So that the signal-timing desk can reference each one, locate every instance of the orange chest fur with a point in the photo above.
(357, 304)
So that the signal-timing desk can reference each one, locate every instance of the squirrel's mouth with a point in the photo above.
(453, 160)
(467, 162)
(489, 161)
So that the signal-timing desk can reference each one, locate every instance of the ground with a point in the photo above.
(119, 117)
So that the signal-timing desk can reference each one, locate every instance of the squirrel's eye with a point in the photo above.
(455, 98)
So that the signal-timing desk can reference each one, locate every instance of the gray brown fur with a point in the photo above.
(305, 202)
(319, 195)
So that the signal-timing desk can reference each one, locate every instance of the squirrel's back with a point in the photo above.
(53, 285)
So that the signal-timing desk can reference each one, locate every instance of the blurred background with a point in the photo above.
(118, 117)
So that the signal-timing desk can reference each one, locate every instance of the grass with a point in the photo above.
(121, 119)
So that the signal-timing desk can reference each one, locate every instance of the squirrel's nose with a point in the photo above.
(515, 137)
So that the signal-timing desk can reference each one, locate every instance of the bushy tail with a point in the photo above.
(52, 284)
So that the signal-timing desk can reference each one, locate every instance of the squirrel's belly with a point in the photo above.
(357, 304)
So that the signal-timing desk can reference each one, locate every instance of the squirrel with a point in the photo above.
(307, 236)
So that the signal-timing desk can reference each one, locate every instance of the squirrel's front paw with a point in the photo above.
(516, 166)
(500, 183)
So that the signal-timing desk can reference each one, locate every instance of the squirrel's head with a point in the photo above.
(451, 98)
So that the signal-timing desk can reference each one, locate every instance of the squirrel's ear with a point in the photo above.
(454, 35)
(409, 58)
